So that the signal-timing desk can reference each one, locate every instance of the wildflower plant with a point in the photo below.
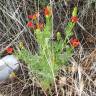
(51, 56)
(9, 50)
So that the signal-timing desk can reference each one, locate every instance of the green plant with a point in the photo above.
(51, 55)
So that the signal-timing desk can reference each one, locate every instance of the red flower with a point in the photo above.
(47, 11)
(74, 19)
(30, 24)
(74, 42)
(34, 16)
(9, 50)
(30, 16)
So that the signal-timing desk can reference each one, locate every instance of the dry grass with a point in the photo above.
(77, 79)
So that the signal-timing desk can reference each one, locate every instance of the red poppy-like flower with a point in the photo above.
(34, 16)
(30, 16)
(30, 24)
(9, 50)
(74, 42)
(47, 11)
(74, 19)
